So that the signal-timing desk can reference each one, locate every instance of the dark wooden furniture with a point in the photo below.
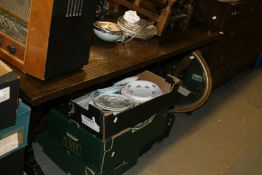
(107, 61)
(241, 23)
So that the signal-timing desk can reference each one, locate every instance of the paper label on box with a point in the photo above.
(184, 91)
(8, 143)
(90, 123)
(197, 77)
(4, 94)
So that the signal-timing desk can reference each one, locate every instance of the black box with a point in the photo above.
(13, 164)
(106, 124)
(9, 89)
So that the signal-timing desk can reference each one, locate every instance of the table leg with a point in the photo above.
(31, 166)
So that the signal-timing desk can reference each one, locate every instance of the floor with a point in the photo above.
(222, 138)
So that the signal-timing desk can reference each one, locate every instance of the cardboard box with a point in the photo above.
(103, 156)
(9, 88)
(106, 124)
(70, 163)
(15, 137)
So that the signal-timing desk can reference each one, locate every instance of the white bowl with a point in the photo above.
(107, 31)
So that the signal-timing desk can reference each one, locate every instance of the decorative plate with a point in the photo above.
(113, 102)
(141, 91)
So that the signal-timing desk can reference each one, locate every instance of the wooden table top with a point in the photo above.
(109, 60)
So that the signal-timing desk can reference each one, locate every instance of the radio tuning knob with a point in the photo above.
(11, 49)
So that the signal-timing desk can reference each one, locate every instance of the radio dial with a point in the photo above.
(11, 49)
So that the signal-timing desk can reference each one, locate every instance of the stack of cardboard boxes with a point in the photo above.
(14, 123)
(90, 141)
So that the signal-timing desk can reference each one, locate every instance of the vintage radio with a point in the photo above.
(46, 38)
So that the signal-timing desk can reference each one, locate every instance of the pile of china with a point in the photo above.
(123, 95)
(127, 27)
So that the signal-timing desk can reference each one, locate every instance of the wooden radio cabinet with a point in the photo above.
(46, 38)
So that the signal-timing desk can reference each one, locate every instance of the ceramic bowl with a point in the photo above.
(107, 31)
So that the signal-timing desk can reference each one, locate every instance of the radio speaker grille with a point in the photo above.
(74, 8)
(18, 7)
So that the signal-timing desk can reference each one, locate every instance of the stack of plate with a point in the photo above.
(121, 96)
(141, 91)
(113, 102)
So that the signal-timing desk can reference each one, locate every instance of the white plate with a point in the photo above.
(141, 91)
(113, 102)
